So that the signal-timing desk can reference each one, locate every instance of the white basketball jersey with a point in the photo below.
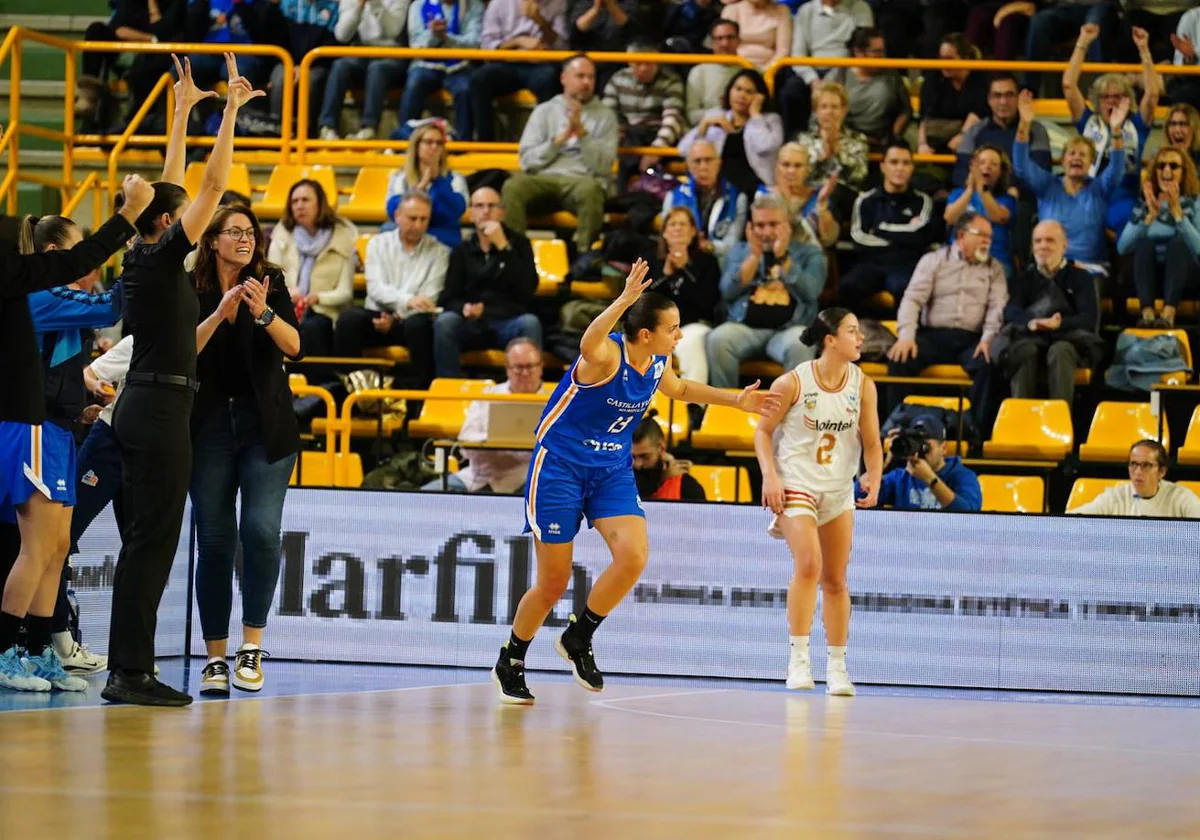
(817, 444)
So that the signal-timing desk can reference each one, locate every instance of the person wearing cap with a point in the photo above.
(929, 481)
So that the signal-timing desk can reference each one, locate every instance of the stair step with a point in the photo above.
(95, 8)
(73, 24)
(36, 89)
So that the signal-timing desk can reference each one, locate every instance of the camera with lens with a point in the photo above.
(911, 442)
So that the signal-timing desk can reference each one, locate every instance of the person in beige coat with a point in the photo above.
(315, 248)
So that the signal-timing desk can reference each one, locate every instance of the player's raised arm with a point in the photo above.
(599, 355)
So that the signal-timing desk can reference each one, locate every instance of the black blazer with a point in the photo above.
(264, 360)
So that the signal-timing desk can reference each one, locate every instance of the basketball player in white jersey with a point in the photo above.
(809, 450)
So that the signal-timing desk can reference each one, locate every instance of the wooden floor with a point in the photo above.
(635, 762)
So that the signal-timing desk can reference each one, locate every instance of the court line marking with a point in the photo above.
(607, 704)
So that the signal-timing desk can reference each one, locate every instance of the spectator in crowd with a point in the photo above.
(808, 208)
(1051, 321)
(770, 284)
(1050, 22)
(706, 83)
(1186, 40)
(567, 151)
(765, 30)
(987, 192)
(302, 27)
(998, 28)
(892, 227)
(314, 247)
(820, 29)
(406, 271)
(834, 149)
(1148, 493)
(917, 26)
(929, 480)
(516, 25)
(134, 22)
(687, 23)
(658, 475)
(490, 284)
(1078, 200)
(230, 22)
(496, 470)
(714, 203)
(691, 278)
(744, 131)
(648, 102)
(1095, 121)
(951, 100)
(878, 102)
(369, 23)
(1183, 130)
(442, 24)
(1164, 236)
(1159, 18)
(951, 312)
(1000, 129)
(245, 440)
(426, 169)
(602, 26)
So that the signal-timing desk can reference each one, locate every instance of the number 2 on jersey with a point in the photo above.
(825, 449)
(619, 424)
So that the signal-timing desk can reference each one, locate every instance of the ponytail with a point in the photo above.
(36, 235)
(826, 323)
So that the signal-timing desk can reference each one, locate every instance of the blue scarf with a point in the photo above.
(687, 194)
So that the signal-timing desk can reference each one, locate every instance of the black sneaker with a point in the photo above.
(579, 654)
(509, 677)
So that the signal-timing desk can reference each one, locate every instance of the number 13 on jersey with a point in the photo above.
(619, 424)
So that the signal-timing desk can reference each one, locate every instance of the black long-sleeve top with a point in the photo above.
(503, 281)
(695, 289)
(136, 15)
(1078, 285)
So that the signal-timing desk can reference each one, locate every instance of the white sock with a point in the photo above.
(799, 643)
(213, 659)
(63, 643)
(248, 646)
(837, 653)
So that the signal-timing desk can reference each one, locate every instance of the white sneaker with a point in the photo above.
(247, 668)
(214, 679)
(14, 675)
(837, 681)
(82, 661)
(799, 677)
(328, 133)
(49, 668)
(364, 133)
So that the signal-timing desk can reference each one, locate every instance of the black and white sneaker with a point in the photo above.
(214, 679)
(579, 653)
(509, 677)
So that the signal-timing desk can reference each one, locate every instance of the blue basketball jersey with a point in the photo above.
(593, 425)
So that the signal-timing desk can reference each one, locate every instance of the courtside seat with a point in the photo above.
(1116, 426)
(280, 183)
(674, 421)
(368, 196)
(725, 428)
(444, 418)
(1036, 430)
(1086, 489)
(239, 179)
(1185, 349)
(1189, 453)
(1013, 493)
(723, 484)
(550, 258)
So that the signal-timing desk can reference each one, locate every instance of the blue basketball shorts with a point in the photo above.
(35, 459)
(559, 493)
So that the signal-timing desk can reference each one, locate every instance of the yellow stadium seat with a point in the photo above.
(592, 289)
(1013, 493)
(1037, 430)
(1116, 426)
(397, 354)
(297, 380)
(550, 259)
(366, 427)
(1086, 489)
(470, 162)
(674, 420)
(482, 358)
(1186, 308)
(725, 428)
(280, 184)
(1185, 349)
(1189, 453)
(873, 369)
(946, 403)
(762, 369)
(239, 179)
(723, 484)
(360, 246)
(945, 372)
(314, 470)
(444, 418)
(1194, 486)
(369, 195)
(882, 300)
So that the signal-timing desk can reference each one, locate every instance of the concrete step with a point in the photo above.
(97, 8)
(74, 24)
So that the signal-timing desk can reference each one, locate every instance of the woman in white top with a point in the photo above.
(809, 451)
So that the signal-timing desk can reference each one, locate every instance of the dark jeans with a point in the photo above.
(945, 346)
(316, 330)
(318, 75)
(1180, 270)
(916, 28)
(867, 278)
(1026, 356)
(379, 75)
(231, 458)
(1058, 22)
(143, 73)
(355, 332)
(490, 81)
(452, 333)
(422, 81)
(209, 68)
(1007, 41)
(795, 102)
(151, 423)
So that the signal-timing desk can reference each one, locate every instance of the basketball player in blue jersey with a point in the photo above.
(583, 466)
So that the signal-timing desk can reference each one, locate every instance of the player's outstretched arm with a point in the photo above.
(868, 430)
(599, 354)
(749, 399)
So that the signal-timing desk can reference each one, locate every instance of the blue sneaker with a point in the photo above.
(49, 668)
(14, 676)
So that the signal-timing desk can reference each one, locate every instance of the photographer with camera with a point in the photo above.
(929, 480)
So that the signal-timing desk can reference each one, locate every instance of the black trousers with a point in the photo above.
(152, 423)
(945, 346)
(355, 332)
(143, 73)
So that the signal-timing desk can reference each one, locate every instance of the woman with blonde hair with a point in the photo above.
(691, 277)
(1183, 130)
(808, 207)
(833, 148)
(1164, 235)
(426, 170)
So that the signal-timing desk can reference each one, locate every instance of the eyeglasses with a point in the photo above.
(238, 234)
(1168, 164)
(1144, 466)
(986, 234)
(530, 368)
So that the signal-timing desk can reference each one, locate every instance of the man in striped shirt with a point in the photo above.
(648, 101)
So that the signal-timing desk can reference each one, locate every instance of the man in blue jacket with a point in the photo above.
(930, 480)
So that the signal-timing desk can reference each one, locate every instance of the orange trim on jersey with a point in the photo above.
(559, 409)
(35, 451)
(817, 379)
(577, 384)
(796, 376)
(531, 496)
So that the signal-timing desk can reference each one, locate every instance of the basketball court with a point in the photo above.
(365, 751)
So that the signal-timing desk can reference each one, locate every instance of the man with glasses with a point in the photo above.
(706, 83)
(494, 470)
(1000, 129)
(490, 284)
(1147, 493)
